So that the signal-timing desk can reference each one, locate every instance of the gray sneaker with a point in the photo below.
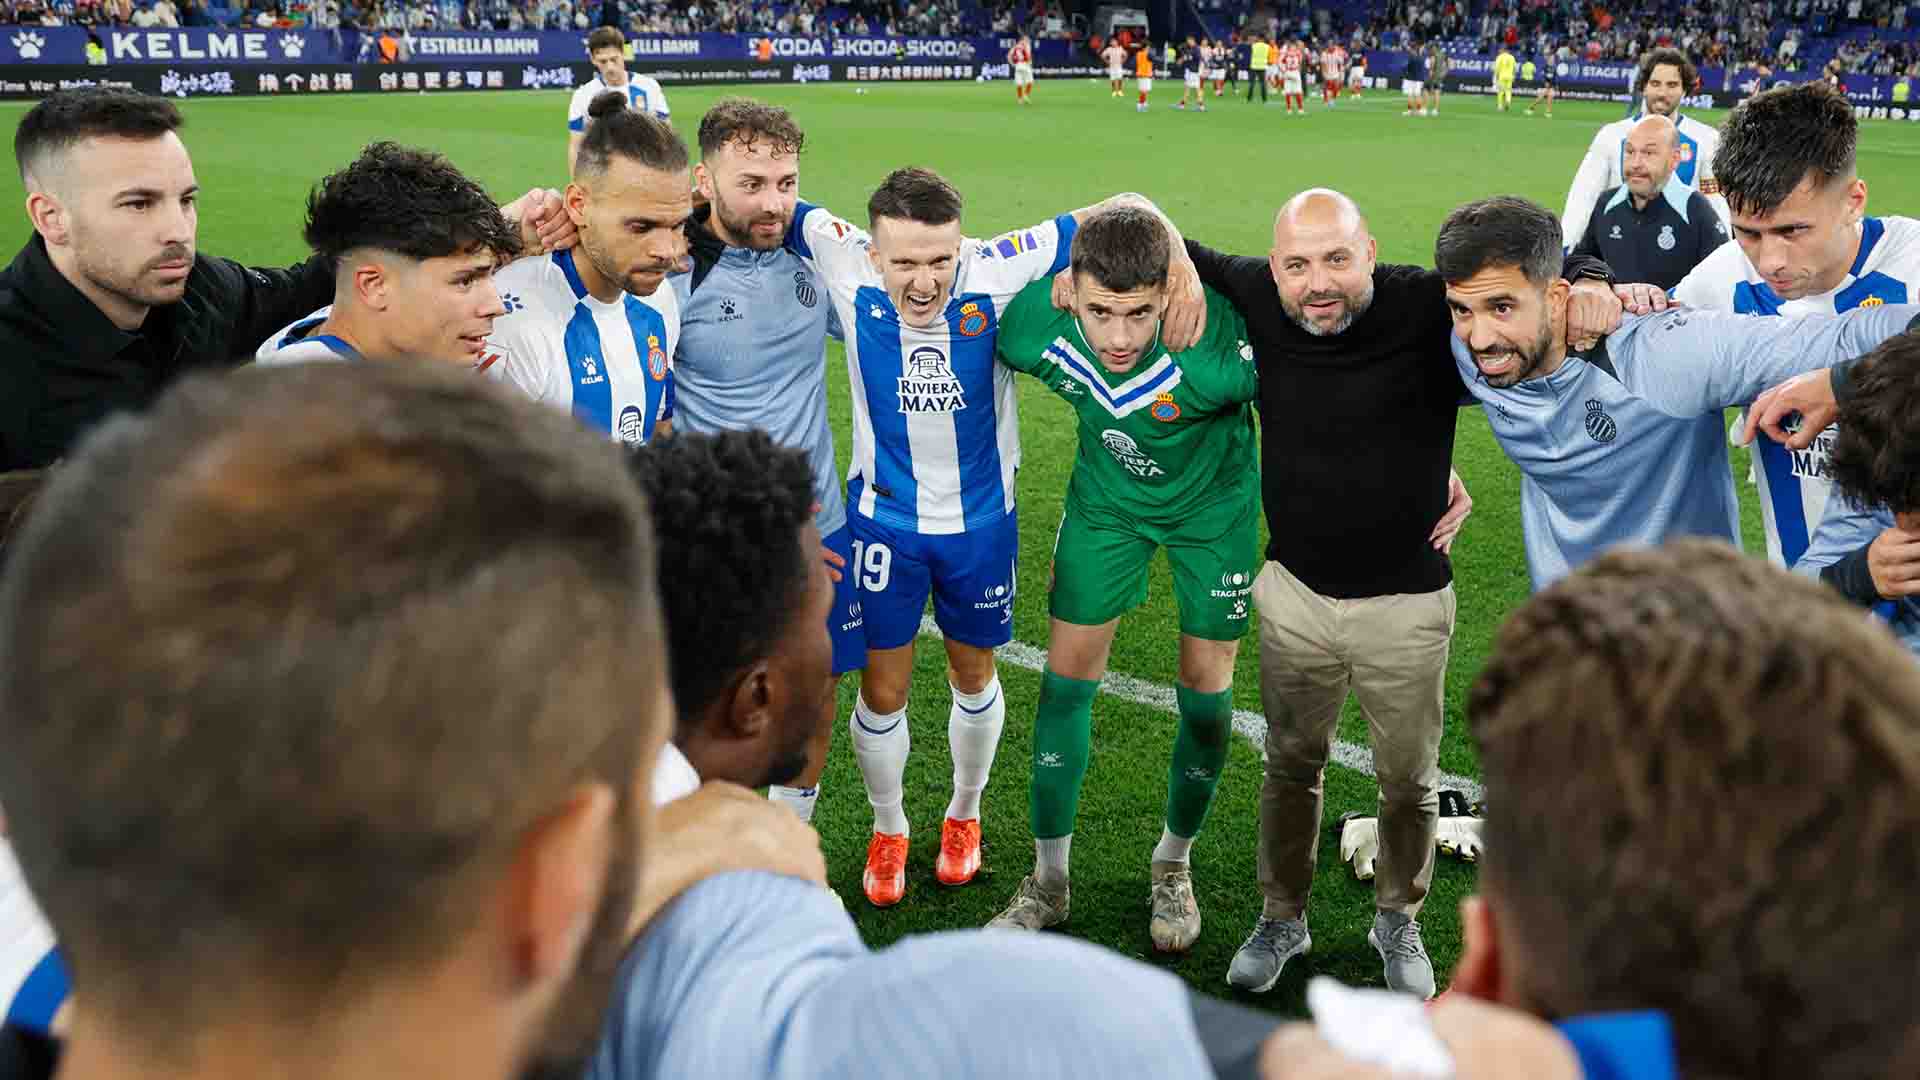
(1176, 915)
(1034, 908)
(1257, 966)
(1396, 938)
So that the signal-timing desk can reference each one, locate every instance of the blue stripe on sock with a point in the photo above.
(981, 709)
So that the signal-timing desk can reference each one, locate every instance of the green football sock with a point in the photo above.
(1199, 753)
(1062, 731)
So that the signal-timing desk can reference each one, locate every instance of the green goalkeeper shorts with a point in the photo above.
(1100, 561)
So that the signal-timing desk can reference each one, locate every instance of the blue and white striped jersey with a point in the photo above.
(936, 426)
(297, 343)
(33, 983)
(1794, 484)
(609, 364)
(643, 94)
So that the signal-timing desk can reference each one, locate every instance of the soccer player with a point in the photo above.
(1665, 77)
(1293, 59)
(1116, 58)
(1143, 69)
(1438, 64)
(1804, 245)
(935, 448)
(1165, 461)
(1190, 67)
(1868, 545)
(1503, 72)
(1333, 72)
(1357, 76)
(591, 330)
(414, 246)
(1217, 65)
(1545, 93)
(1624, 442)
(752, 348)
(1413, 82)
(607, 48)
(1241, 60)
(1020, 57)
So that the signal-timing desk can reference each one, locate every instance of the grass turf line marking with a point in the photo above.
(1251, 725)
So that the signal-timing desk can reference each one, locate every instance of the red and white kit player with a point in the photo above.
(1333, 71)
(1293, 59)
(1020, 57)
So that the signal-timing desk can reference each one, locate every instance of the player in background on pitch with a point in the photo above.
(930, 495)
(1504, 67)
(1293, 60)
(1116, 58)
(1143, 71)
(1545, 93)
(1804, 245)
(1413, 81)
(1190, 67)
(1357, 76)
(607, 49)
(1663, 79)
(1333, 72)
(1438, 64)
(593, 330)
(1020, 58)
(1217, 59)
(1165, 456)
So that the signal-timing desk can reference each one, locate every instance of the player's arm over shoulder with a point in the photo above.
(1222, 362)
(832, 246)
(1027, 326)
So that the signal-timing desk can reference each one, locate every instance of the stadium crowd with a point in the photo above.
(368, 710)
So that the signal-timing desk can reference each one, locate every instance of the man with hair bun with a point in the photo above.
(591, 330)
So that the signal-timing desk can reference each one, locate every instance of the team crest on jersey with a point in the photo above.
(1599, 425)
(1686, 152)
(656, 358)
(929, 385)
(1872, 302)
(1666, 239)
(1164, 409)
(1127, 453)
(629, 428)
(1615, 234)
(973, 321)
(803, 290)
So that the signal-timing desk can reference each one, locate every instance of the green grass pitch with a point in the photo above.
(1220, 175)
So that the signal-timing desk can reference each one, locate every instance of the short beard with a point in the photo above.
(1356, 307)
(742, 229)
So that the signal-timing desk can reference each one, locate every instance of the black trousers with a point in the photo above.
(1259, 79)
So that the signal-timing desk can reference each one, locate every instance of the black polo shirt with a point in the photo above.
(1658, 245)
(64, 366)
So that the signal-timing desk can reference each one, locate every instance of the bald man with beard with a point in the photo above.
(1358, 392)
(1653, 227)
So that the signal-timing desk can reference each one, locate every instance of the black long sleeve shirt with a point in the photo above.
(64, 366)
(1356, 429)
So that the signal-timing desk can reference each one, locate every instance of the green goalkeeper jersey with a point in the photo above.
(1161, 443)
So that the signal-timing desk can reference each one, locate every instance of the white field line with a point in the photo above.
(1249, 724)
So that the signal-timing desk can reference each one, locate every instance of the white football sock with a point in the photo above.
(800, 800)
(1050, 860)
(880, 745)
(973, 733)
(1172, 848)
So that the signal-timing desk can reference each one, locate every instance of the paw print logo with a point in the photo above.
(512, 302)
(29, 45)
(292, 45)
(727, 308)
